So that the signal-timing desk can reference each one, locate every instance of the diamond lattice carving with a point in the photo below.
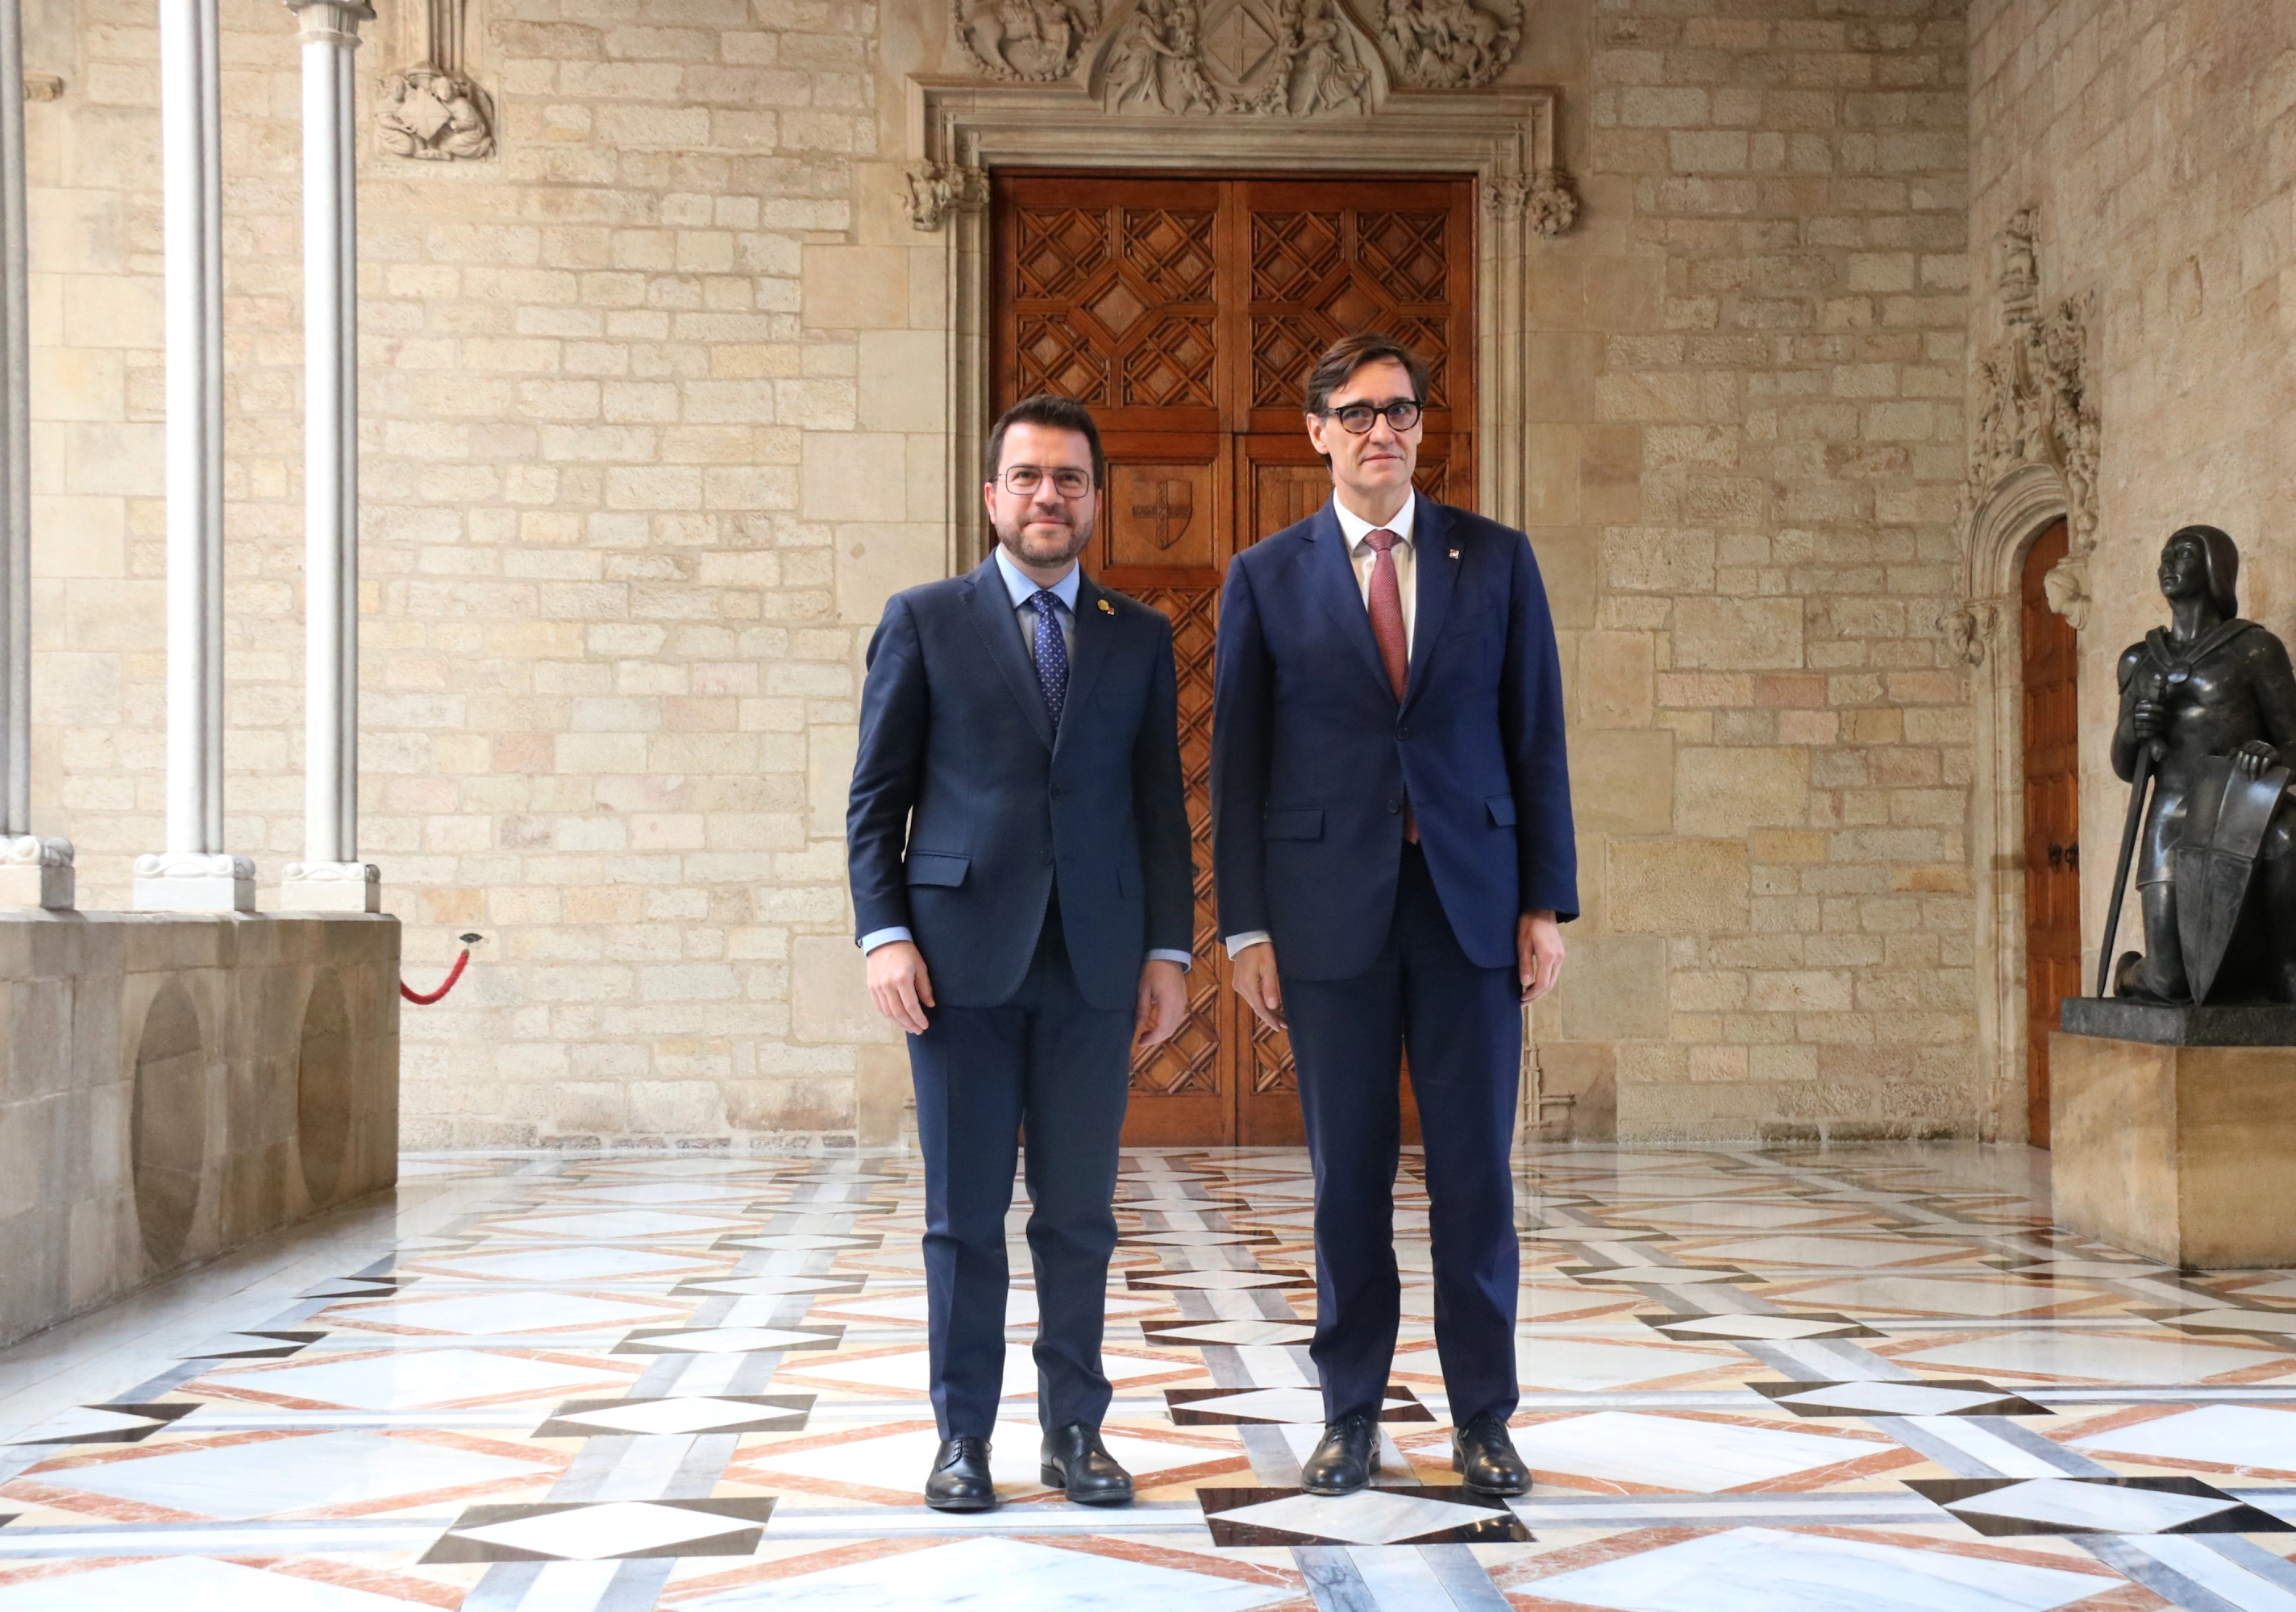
(1055, 357)
(1116, 304)
(1171, 251)
(1291, 254)
(1171, 365)
(1271, 1069)
(1059, 249)
(1188, 1063)
(1283, 348)
(1409, 252)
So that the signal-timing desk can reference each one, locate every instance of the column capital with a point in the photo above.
(36, 872)
(332, 21)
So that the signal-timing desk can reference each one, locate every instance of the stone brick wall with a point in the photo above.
(2158, 141)
(654, 406)
(1762, 332)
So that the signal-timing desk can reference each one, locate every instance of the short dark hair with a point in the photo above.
(1349, 354)
(1058, 413)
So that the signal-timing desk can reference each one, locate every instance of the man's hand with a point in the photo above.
(1252, 972)
(1537, 954)
(1163, 1003)
(899, 984)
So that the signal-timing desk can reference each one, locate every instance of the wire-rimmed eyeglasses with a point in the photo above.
(1023, 480)
(1355, 418)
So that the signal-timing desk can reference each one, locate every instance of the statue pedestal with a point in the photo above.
(2172, 1131)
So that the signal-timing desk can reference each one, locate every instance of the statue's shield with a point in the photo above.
(2225, 821)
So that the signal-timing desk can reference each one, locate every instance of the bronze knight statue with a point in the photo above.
(2208, 718)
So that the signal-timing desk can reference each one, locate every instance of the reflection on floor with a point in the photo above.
(1866, 1378)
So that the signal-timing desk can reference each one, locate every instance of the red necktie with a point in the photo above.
(1387, 627)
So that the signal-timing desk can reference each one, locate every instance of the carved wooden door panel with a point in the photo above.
(1185, 312)
(2052, 657)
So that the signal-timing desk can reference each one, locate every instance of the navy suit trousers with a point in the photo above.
(1048, 1066)
(1462, 1026)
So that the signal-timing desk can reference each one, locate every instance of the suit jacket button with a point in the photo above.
(1393, 807)
(1403, 732)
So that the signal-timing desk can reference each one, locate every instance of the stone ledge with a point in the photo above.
(2162, 1024)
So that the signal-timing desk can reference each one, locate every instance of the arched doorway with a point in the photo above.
(2051, 666)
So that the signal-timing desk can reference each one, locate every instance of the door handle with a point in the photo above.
(2067, 857)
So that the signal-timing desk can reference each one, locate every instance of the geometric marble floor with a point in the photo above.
(1863, 1377)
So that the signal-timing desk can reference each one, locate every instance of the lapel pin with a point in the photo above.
(1455, 553)
(1108, 607)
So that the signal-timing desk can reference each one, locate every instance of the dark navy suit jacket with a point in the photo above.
(1312, 756)
(968, 810)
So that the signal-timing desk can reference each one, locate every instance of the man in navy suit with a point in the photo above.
(1391, 822)
(1018, 847)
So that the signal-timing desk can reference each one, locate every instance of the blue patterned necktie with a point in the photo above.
(1051, 652)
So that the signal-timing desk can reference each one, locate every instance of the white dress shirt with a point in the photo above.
(1022, 589)
(1363, 556)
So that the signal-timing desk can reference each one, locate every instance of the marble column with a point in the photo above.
(34, 872)
(330, 878)
(193, 873)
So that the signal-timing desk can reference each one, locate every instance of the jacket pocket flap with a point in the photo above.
(1307, 823)
(1502, 810)
(938, 867)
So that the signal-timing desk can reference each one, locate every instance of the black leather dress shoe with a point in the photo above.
(960, 1477)
(1482, 1452)
(1074, 1462)
(1342, 1463)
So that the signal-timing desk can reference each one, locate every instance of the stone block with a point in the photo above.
(1730, 790)
(1679, 886)
(2186, 1155)
(1622, 780)
(829, 996)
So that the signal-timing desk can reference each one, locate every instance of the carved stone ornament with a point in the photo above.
(1969, 628)
(938, 189)
(43, 87)
(2036, 406)
(1549, 198)
(1447, 45)
(435, 116)
(434, 112)
(1264, 58)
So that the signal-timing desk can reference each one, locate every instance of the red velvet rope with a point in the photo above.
(452, 974)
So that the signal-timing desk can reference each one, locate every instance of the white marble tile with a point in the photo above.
(1302, 1405)
(427, 1377)
(2092, 1507)
(900, 1460)
(1260, 1331)
(1679, 1453)
(1772, 1328)
(997, 1576)
(475, 1314)
(2273, 1327)
(2228, 1436)
(687, 1413)
(615, 1528)
(83, 1420)
(2103, 1357)
(1370, 1517)
(770, 1286)
(620, 1225)
(1981, 1296)
(1883, 1398)
(2234, 1584)
(272, 1476)
(909, 1368)
(189, 1583)
(1768, 1570)
(1695, 1217)
(731, 1340)
(1571, 1365)
(1843, 1249)
(569, 1265)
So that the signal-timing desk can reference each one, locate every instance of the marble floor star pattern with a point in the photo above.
(1866, 1377)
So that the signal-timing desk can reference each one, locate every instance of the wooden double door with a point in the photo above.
(1185, 311)
(2052, 940)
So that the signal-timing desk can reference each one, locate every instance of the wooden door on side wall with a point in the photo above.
(1185, 311)
(2052, 666)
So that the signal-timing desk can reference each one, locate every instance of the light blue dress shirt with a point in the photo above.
(1023, 591)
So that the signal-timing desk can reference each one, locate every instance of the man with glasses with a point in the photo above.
(1018, 847)
(1391, 829)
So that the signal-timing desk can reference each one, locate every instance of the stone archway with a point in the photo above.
(2011, 514)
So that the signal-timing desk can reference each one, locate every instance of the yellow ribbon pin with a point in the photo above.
(1108, 607)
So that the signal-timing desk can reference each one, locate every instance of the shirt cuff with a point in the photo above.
(1181, 958)
(1250, 937)
(877, 938)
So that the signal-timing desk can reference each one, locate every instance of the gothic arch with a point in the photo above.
(1987, 630)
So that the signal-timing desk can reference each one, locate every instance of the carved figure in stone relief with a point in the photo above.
(1449, 43)
(1153, 59)
(1032, 40)
(436, 116)
(1324, 74)
(2208, 713)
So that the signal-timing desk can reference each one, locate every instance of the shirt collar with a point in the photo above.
(1354, 526)
(1023, 590)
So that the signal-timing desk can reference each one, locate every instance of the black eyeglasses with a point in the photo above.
(1023, 480)
(1355, 418)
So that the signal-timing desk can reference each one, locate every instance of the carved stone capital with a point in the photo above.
(938, 189)
(195, 881)
(1969, 628)
(36, 872)
(1548, 198)
(331, 21)
(2066, 586)
(331, 887)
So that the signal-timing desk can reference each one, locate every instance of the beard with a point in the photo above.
(1047, 548)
